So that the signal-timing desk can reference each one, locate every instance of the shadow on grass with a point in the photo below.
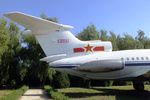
(119, 94)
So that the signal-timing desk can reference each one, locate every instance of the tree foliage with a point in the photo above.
(89, 33)
(61, 80)
(113, 39)
(103, 35)
(20, 63)
(10, 69)
(4, 38)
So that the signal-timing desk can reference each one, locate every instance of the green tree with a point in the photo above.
(10, 58)
(113, 39)
(104, 36)
(4, 38)
(142, 40)
(126, 42)
(146, 43)
(89, 33)
(140, 35)
(139, 39)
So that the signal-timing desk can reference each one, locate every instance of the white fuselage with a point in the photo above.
(135, 63)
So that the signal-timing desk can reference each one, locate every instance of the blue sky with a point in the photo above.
(119, 16)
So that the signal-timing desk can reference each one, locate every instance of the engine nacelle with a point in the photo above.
(102, 66)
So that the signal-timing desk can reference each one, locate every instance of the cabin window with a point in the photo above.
(142, 58)
(137, 58)
(128, 58)
(132, 58)
(146, 58)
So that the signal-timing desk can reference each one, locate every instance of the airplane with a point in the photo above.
(86, 59)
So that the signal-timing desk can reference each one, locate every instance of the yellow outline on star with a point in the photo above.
(88, 48)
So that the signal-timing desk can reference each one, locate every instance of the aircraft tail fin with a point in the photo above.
(54, 38)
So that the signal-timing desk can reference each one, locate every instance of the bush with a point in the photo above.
(61, 80)
(16, 94)
(54, 94)
(108, 83)
(12, 83)
(129, 83)
(58, 96)
(48, 89)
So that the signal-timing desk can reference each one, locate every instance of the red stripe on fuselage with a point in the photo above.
(76, 50)
(98, 48)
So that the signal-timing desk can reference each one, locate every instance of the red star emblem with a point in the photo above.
(88, 48)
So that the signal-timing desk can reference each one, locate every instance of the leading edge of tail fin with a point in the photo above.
(35, 23)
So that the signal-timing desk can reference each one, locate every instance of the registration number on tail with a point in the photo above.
(63, 41)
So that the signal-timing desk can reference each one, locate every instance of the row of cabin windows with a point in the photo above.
(136, 58)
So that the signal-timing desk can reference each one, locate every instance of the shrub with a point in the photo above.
(54, 94)
(108, 83)
(61, 80)
(12, 83)
(48, 88)
(58, 96)
(129, 83)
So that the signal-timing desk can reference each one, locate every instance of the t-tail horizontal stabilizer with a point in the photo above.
(35, 23)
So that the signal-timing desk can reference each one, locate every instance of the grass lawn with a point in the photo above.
(107, 93)
(12, 94)
(5, 92)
